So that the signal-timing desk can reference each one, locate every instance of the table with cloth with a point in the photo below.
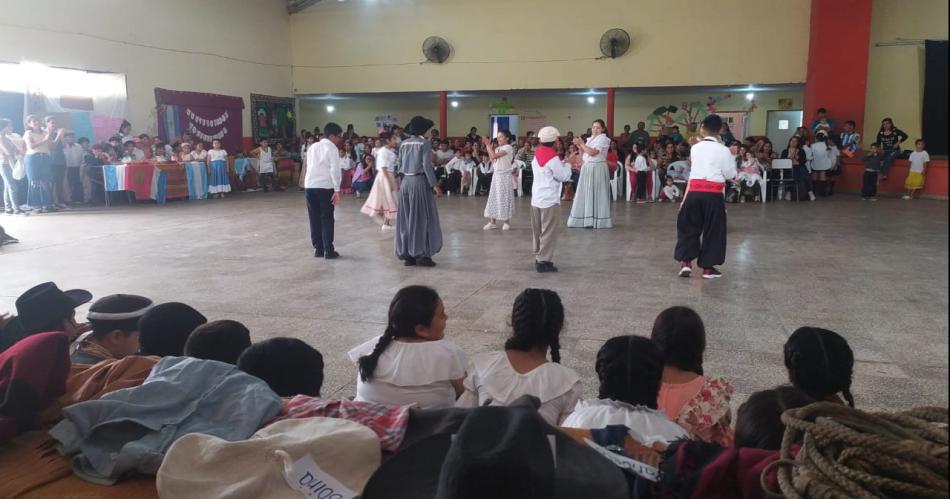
(158, 181)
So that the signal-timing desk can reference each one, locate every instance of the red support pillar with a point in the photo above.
(610, 112)
(836, 82)
(443, 115)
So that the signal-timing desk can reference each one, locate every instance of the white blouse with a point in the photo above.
(200, 155)
(30, 135)
(503, 164)
(492, 381)
(385, 159)
(646, 426)
(602, 144)
(217, 155)
(412, 373)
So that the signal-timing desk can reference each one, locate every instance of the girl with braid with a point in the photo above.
(523, 368)
(629, 369)
(412, 362)
(820, 363)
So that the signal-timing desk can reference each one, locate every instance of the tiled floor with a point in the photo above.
(875, 272)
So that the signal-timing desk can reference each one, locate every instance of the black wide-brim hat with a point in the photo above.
(418, 125)
(498, 452)
(38, 304)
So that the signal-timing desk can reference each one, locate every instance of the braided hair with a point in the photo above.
(537, 317)
(820, 363)
(412, 306)
(629, 369)
(680, 335)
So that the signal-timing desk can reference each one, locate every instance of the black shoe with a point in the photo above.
(318, 253)
(544, 267)
(551, 267)
(426, 262)
(711, 273)
(332, 255)
(539, 266)
(410, 262)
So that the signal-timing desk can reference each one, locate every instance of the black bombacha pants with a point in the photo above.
(701, 229)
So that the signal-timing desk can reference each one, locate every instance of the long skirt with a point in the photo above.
(501, 196)
(591, 206)
(39, 176)
(219, 182)
(382, 199)
(418, 233)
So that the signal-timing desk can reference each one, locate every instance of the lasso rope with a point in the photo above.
(849, 453)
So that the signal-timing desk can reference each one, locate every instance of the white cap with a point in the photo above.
(548, 134)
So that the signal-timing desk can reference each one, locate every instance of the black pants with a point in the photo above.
(641, 185)
(320, 210)
(271, 180)
(869, 189)
(59, 183)
(701, 229)
(74, 178)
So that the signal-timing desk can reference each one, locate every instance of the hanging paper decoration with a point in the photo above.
(205, 116)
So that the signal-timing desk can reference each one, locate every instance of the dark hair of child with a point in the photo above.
(412, 306)
(164, 329)
(222, 340)
(332, 129)
(820, 363)
(629, 369)
(680, 335)
(288, 365)
(537, 318)
(759, 420)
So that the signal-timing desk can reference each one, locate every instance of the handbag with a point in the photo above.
(19, 170)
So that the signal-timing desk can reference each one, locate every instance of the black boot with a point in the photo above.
(830, 188)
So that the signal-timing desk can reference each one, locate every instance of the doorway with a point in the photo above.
(781, 125)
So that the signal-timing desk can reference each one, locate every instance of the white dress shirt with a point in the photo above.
(546, 189)
(385, 159)
(711, 161)
(324, 166)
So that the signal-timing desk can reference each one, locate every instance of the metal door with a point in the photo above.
(780, 126)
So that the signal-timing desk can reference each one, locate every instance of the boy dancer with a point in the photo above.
(549, 173)
(322, 184)
(703, 211)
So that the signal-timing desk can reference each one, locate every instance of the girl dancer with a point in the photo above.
(591, 207)
(381, 202)
(501, 195)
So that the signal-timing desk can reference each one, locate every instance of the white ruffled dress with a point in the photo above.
(412, 373)
(492, 381)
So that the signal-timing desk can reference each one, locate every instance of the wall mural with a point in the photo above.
(688, 113)
(272, 118)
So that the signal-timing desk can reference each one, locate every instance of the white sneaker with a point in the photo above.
(385, 228)
(811, 196)
(905, 197)
(489, 226)
(505, 226)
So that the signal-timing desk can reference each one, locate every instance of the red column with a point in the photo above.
(838, 60)
(443, 115)
(610, 112)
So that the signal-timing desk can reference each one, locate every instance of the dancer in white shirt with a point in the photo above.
(381, 202)
(549, 175)
(701, 224)
(324, 174)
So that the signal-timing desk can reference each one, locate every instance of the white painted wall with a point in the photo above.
(52, 32)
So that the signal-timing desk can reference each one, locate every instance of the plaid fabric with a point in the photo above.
(176, 183)
(389, 422)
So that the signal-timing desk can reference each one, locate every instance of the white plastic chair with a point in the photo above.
(783, 166)
(630, 191)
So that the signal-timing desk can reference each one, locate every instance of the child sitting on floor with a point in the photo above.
(411, 362)
(670, 192)
(223, 341)
(630, 369)
(759, 420)
(523, 368)
(115, 329)
(363, 176)
(698, 403)
(820, 363)
(918, 168)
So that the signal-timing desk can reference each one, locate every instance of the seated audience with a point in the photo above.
(363, 177)
(523, 368)
(411, 362)
(759, 420)
(820, 363)
(288, 365)
(115, 329)
(698, 403)
(164, 329)
(43, 308)
(629, 369)
(223, 341)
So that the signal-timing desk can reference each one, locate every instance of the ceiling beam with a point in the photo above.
(295, 6)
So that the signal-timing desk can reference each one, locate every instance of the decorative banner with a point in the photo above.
(386, 121)
(273, 118)
(205, 116)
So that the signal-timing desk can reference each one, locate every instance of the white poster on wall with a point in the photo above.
(385, 121)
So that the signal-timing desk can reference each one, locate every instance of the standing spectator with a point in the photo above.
(872, 167)
(795, 153)
(57, 162)
(918, 168)
(625, 136)
(37, 162)
(8, 158)
(889, 139)
(73, 154)
(822, 122)
(726, 134)
(824, 160)
(473, 137)
(640, 136)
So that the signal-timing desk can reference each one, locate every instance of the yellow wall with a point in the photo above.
(566, 112)
(896, 73)
(375, 45)
(257, 30)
